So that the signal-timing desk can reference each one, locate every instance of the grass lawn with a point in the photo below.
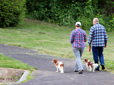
(51, 39)
(9, 62)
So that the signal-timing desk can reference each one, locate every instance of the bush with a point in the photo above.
(67, 12)
(11, 12)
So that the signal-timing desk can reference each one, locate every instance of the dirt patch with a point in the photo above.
(10, 75)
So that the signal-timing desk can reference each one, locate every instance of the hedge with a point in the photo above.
(67, 12)
(11, 12)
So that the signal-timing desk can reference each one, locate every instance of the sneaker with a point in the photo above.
(80, 72)
(97, 69)
(75, 71)
(103, 67)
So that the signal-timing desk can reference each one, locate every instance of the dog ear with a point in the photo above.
(55, 60)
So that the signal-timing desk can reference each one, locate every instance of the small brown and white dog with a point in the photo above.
(59, 65)
(86, 63)
(90, 65)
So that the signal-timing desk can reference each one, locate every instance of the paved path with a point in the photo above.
(46, 70)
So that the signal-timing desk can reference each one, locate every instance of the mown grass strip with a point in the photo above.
(51, 39)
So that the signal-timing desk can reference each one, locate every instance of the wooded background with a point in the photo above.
(61, 12)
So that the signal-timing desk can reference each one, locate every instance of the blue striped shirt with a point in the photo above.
(98, 36)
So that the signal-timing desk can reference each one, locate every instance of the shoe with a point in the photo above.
(80, 72)
(75, 71)
(97, 69)
(103, 67)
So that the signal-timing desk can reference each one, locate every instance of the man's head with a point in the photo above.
(95, 20)
(78, 24)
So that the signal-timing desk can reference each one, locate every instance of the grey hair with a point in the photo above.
(96, 20)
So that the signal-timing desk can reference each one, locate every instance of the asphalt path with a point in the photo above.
(46, 74)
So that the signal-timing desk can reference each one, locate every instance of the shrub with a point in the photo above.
(67, 12)
(11, 12)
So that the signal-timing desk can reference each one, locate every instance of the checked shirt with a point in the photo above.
(78, 38)
(98, 36)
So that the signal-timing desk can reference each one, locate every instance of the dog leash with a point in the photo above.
(68, 54)
(90, 54)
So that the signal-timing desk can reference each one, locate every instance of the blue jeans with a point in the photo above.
(78, 54)
(98, 55)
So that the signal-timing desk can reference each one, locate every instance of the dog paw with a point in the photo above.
(61, 72)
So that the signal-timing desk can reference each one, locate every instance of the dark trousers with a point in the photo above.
(98, 55)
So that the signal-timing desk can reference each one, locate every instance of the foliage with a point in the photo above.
(11, 12)
(67, 12)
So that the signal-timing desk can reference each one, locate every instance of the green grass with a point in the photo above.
(51, 39)
(9, 62)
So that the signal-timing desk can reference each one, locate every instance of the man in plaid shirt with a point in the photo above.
(78, 38)
(98, 38)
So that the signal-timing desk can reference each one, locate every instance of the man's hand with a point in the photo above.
(105, 46)
(89, 48)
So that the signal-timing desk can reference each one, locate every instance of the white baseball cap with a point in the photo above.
(78, 23)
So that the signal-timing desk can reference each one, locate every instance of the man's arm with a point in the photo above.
(90, 38)
(72, 37)
(105, 38)
(85, 37)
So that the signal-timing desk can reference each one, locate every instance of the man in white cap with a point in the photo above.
(78, 38)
